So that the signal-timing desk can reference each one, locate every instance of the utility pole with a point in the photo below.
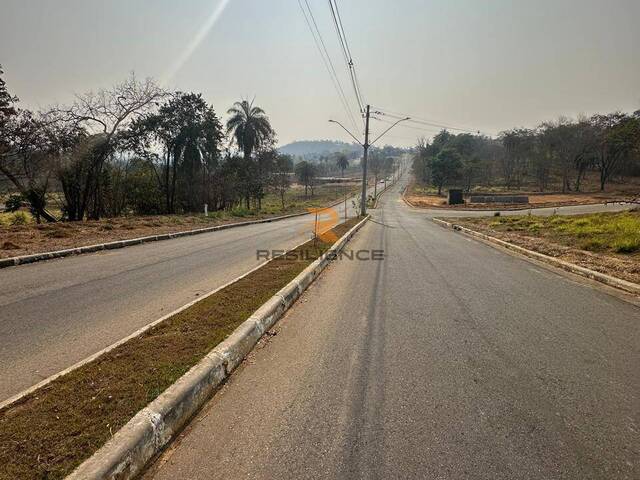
(365, 157)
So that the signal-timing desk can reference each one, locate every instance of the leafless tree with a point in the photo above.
(105, 114)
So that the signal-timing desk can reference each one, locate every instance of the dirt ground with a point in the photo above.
(19, 240)
(624, 266)
(422, 197)
(536, 200)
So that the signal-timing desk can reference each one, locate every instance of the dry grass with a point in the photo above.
(50, 432)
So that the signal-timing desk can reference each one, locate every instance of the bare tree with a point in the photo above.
(616, 134)
(281, 177)
(106, 113)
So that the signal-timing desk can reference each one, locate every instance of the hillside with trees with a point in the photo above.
(316, 149)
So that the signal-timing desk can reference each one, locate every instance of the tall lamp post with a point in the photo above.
(365, 155)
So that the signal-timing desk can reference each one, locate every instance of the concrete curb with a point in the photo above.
(39, 257)
(628, 287)
(151, 429)
(377, 199)
(405, 200)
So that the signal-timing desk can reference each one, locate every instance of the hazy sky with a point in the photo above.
(484, 64)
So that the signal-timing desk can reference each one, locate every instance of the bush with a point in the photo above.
(143, 194)
(13, 203)
(19, 218)
(627, 246)
(240, 212)
(534, 227)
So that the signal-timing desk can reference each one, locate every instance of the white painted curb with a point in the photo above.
(151, 429)
(629, 287)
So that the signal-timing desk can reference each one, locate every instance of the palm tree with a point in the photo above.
(342, 162)
(249, 126)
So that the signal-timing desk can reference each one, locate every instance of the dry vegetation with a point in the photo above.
(605, 242)
(50, 432)
(24, 237)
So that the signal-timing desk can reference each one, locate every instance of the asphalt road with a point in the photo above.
(56, 313)
(447, 360)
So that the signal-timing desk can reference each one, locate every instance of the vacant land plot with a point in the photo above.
(605, 242)
(426, 197)
(50, 432)
(24, 237)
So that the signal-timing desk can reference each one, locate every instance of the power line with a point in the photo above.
(415, 118)
(333, 70)
(322, 50)
(422, 129)
(432, 124)
(422, 121)
(342, 39)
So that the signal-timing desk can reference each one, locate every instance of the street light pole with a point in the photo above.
(365, 157)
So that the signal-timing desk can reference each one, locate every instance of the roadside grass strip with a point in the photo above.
(599, 232)
(51, 431)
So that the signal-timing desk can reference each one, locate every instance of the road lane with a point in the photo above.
(450, 359)
(56, 313)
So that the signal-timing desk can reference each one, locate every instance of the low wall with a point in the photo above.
(499, 199)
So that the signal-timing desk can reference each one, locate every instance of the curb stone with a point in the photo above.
(15, 398)
(628, 287)
(377, 199)
(153, 427)
(38, 257)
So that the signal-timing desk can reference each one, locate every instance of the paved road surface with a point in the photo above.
(448, 360)
(56, 313)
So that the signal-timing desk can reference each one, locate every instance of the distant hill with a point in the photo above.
(314, 149)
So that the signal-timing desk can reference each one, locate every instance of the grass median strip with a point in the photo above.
(51, 431)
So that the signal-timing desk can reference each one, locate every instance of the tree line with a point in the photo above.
(136, 148)
(554, 155)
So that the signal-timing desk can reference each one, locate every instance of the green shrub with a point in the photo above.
(555, 220)
(534, 227)
(240, 212)
(18, 218)
(630, 245)
(13, 203)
